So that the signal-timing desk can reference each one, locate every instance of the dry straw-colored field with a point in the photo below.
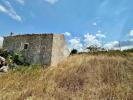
(80, 77)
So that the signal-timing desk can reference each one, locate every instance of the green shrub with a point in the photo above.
(13, 58)
(74, 51)
(4, 53)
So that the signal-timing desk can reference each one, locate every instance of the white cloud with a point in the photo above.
(131, 39)
(126, 47)
(22, 2)
(91, 40)
(100, 34)
(67, 33)
(112, 45)
(95, 40)
(117, 45)
(1, 41)
(75, 43)
(94, 24)
(131, 33)
(9, 10)
(52, 1)
(99, 31)
(3, 9)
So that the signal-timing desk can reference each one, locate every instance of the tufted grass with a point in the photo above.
(80, 77)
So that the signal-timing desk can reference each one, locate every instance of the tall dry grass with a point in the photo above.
(80, 77)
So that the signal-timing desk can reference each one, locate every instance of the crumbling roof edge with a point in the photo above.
(37, 34)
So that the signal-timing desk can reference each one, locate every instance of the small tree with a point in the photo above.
(93, 48)
(74, 51)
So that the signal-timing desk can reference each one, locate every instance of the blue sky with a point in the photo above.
(102, 22)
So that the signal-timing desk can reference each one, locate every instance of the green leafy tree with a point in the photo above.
(93, 48)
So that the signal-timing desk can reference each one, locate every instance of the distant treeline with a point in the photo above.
(98, 50)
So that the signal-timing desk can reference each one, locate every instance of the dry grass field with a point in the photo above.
(80, 77)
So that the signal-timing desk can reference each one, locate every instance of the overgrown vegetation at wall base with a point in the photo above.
(13, 57)
(80, 77)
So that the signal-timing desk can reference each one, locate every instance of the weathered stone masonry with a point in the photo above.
(42, 49)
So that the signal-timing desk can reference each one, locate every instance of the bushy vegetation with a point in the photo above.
(13, 58)
(129, 50)
(4, 53)
(74, 51)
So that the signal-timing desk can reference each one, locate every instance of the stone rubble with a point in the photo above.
(3, 66)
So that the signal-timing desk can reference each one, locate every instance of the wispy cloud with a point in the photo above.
(100, 35)
(22, 2)
(94, 24)
(9, 10)
(52, 1)
(3, 9)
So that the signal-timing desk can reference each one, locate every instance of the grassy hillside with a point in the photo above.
(80, 77)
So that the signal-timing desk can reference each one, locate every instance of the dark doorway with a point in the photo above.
(26, 46)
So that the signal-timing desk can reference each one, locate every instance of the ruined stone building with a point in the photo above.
(44, 49)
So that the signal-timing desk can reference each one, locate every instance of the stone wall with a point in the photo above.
(59, 49)
(42, 49)
(39, 47)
